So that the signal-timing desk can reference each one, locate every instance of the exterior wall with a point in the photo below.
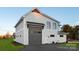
(22, 30)
(20, 33)
(61, 39)
(35, 17)
(26, 37)
(47, 39)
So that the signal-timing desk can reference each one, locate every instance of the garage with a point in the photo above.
(35, 28)
(35, 33)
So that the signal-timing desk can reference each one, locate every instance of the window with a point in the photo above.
(61, 35)
(48, 24)
(54, 26)
(20, 35)
(52, 35)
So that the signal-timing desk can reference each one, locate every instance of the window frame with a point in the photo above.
(48, 25)
(54, 25)
(52, 35)
(61, 35)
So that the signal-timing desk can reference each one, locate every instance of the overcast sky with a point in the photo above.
(10, 16)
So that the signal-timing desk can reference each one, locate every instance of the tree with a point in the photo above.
(8, 35)
(73, 31)
(13, 35)
(66, 28)
(76, 30)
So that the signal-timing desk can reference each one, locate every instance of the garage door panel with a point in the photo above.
(35, 35)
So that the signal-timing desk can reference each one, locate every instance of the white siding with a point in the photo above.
(61, 39)
(36, 17)
(20, 33)
(26, 39)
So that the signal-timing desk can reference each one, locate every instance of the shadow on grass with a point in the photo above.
(17, 44)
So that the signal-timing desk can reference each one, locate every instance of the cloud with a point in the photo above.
(77, 23)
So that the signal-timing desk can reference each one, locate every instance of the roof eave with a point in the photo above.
(21, 19)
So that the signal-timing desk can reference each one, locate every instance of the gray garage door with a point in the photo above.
(35, 34)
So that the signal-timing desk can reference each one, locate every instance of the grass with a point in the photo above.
(7, 45)
(72, 44)
(73, 41)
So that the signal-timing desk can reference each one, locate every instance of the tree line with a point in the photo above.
(7, 35)
(73, 31)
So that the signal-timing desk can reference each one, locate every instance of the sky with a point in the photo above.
(9, 16)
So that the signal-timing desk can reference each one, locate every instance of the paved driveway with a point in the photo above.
(47, 47)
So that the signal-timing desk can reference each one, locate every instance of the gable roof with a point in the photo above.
(37, 11)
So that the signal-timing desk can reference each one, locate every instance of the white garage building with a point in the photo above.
(38, 28)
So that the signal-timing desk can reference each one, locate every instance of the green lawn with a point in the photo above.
(7, 45)
(72, 44)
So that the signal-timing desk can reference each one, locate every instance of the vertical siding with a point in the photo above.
(20, 33)
(26, 37)
(35, 17)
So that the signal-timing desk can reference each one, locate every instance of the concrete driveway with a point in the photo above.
(47, 47)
